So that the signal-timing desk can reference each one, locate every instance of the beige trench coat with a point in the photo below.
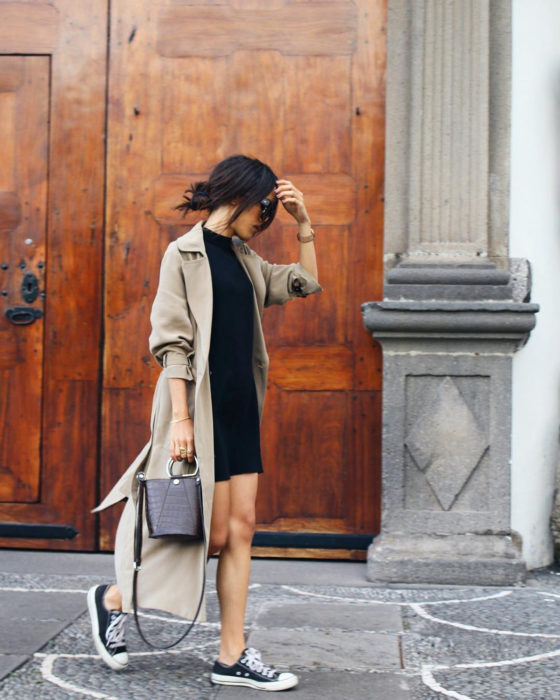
(181, 318)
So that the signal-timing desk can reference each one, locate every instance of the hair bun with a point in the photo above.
(199, 196)
(195, 198)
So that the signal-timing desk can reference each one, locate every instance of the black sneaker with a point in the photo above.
(250, 671)
(107, 627)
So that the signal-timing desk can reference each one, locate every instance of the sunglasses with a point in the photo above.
(268, 206)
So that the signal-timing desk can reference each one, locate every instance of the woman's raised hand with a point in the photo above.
(292, 199)
(182, 437)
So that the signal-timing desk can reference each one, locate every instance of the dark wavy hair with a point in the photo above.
(238, 179)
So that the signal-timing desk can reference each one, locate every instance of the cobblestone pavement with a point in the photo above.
(344, 641)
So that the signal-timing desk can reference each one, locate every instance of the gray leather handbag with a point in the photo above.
(174, 510)
(173, 505)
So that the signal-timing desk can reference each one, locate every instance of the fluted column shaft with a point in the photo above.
(448, 174)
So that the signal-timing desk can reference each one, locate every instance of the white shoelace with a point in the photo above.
(252, 659)
(114, 635)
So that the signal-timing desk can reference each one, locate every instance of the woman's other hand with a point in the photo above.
(182, 437)
(292, 199)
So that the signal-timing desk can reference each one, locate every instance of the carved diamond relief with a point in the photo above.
(446, 442)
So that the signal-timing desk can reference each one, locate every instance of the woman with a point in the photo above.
(208, 402)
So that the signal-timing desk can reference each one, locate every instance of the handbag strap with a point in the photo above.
(138, 562)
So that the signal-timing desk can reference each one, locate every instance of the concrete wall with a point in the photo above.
(535, 234)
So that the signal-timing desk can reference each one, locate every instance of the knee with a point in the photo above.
(242, 526)
(218, 540)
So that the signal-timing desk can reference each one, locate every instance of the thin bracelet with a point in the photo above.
(178, 420)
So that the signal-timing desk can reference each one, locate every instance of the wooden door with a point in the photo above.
(52, 90)
(299, 84)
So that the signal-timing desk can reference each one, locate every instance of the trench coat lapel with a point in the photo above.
(198, 285)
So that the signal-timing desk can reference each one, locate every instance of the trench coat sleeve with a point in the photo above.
(171, 339)
(284, 282)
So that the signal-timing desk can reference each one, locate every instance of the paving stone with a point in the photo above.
(299, 572)
(330, 685)
(9, 662)
(327, 649)
(41, 606)
(373, 617)
(61, 563)
(20, 638)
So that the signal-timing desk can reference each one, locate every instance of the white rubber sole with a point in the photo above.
(282, 684)
(103, 653)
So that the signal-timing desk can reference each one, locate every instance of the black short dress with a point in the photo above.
(234, 397)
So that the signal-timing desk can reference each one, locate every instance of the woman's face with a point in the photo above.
(248, 223)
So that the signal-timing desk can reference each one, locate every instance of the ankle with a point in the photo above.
(112, 599)
(230, 655)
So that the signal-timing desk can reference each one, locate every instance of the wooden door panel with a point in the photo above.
(255, 103)
(331, 196)
(29, 28)
(191, 30)
(312, 368)
(23, 208)
(126, 418)
(301, 86)
(51, 204)
(301, 457)
(194, 112)
(321, 93)
(363, 442)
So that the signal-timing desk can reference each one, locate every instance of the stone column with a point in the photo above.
(455, 307)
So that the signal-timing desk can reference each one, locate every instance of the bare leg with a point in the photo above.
(234, 566)
(219, 525)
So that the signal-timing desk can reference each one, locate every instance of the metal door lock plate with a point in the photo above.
(29, 287)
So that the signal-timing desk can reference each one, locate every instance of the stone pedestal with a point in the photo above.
(448, 334)
(446, 559)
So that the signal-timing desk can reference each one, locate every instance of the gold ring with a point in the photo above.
(189, 452)
(182, 449)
